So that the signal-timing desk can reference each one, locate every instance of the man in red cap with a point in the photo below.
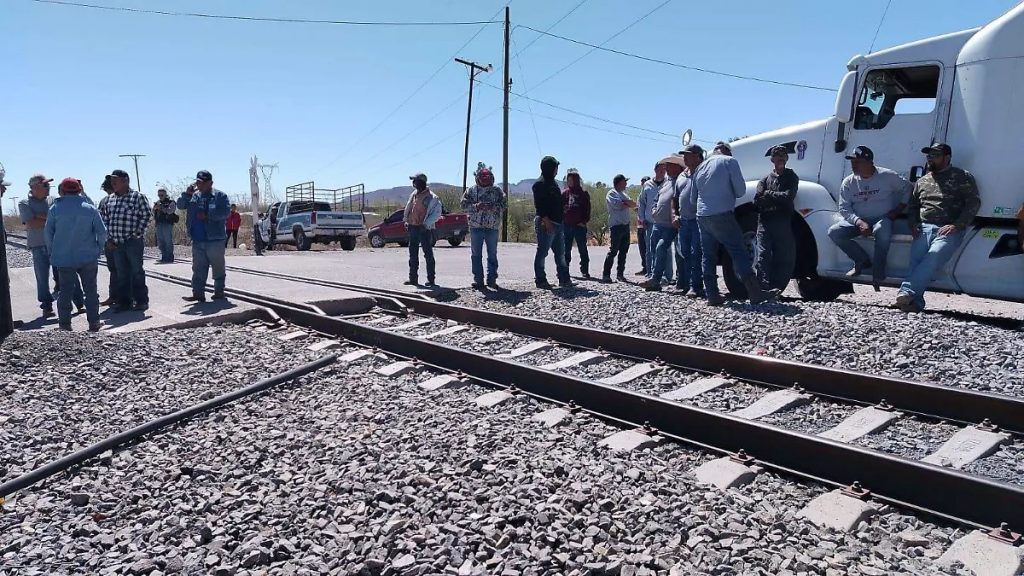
(75, 235)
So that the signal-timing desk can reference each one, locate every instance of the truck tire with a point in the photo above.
(818, 289)
(348, 243)
(302, 242)
(376, 240)
(748, 223)
(456, 240)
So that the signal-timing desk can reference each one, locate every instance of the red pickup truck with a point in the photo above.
(453, 227)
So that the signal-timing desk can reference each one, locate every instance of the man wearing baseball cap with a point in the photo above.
(75, 236)
(620, 211)
(206, 219)
(646, 202)
(126, 215)
(943, 204)
(776, 246)
(34, 210)
(422, 211)
(547, 202)
(870, 198)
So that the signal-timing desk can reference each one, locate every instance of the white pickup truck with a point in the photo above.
(965, 89)
(305, 222)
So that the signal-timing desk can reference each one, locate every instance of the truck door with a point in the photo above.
(896, 116)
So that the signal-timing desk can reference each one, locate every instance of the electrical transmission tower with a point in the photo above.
(268, 170)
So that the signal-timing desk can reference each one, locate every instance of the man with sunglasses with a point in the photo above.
(942, 206)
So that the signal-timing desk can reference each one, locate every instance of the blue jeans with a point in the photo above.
(662, 241)
(577, 235)
(776, 250)
(41, 266)
(927, 254)
(689, 273)
(722, 231)
(618, 247)
(165, 240)
(651, 253)
(131, 277)
(842, 234)
(545, 242)
(108, 254)
(206, 255)
(477, 238)
(421, 237)
(71, 276)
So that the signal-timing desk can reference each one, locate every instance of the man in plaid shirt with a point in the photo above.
(126, 215)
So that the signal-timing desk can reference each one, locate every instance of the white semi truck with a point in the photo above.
(965, 89)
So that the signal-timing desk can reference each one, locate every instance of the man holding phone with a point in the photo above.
(483, 204)
(206, 217)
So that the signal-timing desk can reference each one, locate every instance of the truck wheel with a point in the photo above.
(456, 240)
(302, 242)
(748, 223)
(375, 240)
(820, 289)
(348, 243)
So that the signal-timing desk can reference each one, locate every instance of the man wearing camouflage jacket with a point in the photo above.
(943, 204)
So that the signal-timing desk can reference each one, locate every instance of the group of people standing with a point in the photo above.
(68, 234)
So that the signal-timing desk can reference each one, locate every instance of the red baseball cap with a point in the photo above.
(70, 184)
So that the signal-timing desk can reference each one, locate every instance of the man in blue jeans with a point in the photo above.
(483, 204)
(421, 214)
(943, 204)
(165, 215)
(126, 215)
(689, 278)
(547, 201)
(75, 236)
(205, 219)
(718, 183)
(33, 211)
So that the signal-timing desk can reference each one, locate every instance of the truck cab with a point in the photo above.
(964, 88)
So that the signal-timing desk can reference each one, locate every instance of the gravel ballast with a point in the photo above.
(18, 257)
(345, 472)
(923, 347)
(65, 391)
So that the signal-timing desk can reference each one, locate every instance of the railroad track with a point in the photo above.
(434, 337)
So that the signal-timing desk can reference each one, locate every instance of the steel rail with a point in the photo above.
(936, 490)
(931, 400)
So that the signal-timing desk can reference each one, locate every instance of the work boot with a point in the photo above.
(95, 326)
(107, 302)
(194, 298)
(715, 299)
(858, 269)
(621, 277)
(642, 272)
(493, 284)
(430, 283)
(412, 281)
(219, 296)
(48, 312)
(756, 295)
(607, 278)
(543, 284)
(585, 274)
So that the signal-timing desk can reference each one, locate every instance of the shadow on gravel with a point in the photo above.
(780, 308)
(208, 308)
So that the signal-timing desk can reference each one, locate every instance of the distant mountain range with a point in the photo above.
(401, 193)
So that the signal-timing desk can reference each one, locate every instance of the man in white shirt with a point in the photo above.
(871, 197)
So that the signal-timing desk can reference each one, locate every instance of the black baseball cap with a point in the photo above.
(204, 176)
(120, 174)
(418, 176)
(620, 178)
(692, 149)
(940, 147)
(863, 153)
(723, 146)
(779, 150)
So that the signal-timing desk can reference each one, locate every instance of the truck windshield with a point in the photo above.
(300, 207)
(888, 91)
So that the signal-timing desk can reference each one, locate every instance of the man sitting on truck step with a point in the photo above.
(943, 204)
(422, 212)
(871, 197)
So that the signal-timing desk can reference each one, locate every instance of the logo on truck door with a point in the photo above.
(801, 149)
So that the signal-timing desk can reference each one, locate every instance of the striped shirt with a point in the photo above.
(126, 216)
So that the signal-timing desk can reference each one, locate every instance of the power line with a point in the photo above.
(529, 104)
(411, 95)
(879, 27)
(592, 127)
(260, 19)
(674, 64)
(556, 23)
(418, 127)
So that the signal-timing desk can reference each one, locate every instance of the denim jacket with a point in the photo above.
(74, 232)
(217, 208)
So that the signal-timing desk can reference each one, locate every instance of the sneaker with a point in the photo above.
(107, 302)
(411, 282)
(651, 285)
(904, 300)
(64, 327)
(81, 309)
(544, 284)
(194, 298)
(566, 284)
(621, 277)
(220, 296)
(858, 269)
(430, 284)
(694, 293)
(606, 279)
(493, 284)
(640, 273)
(715, 299)
(48, 312)
(141, 307)
(585, 275)
(95, 326)
(478, 285)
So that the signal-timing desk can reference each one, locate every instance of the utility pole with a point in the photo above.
(473, 69)
(267, 170)
(6, 313)
(504, 134)
(135, 157)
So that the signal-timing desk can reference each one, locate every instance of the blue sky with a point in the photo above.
(81, 86)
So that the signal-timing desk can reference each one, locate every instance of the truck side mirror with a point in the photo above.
(844, 98)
